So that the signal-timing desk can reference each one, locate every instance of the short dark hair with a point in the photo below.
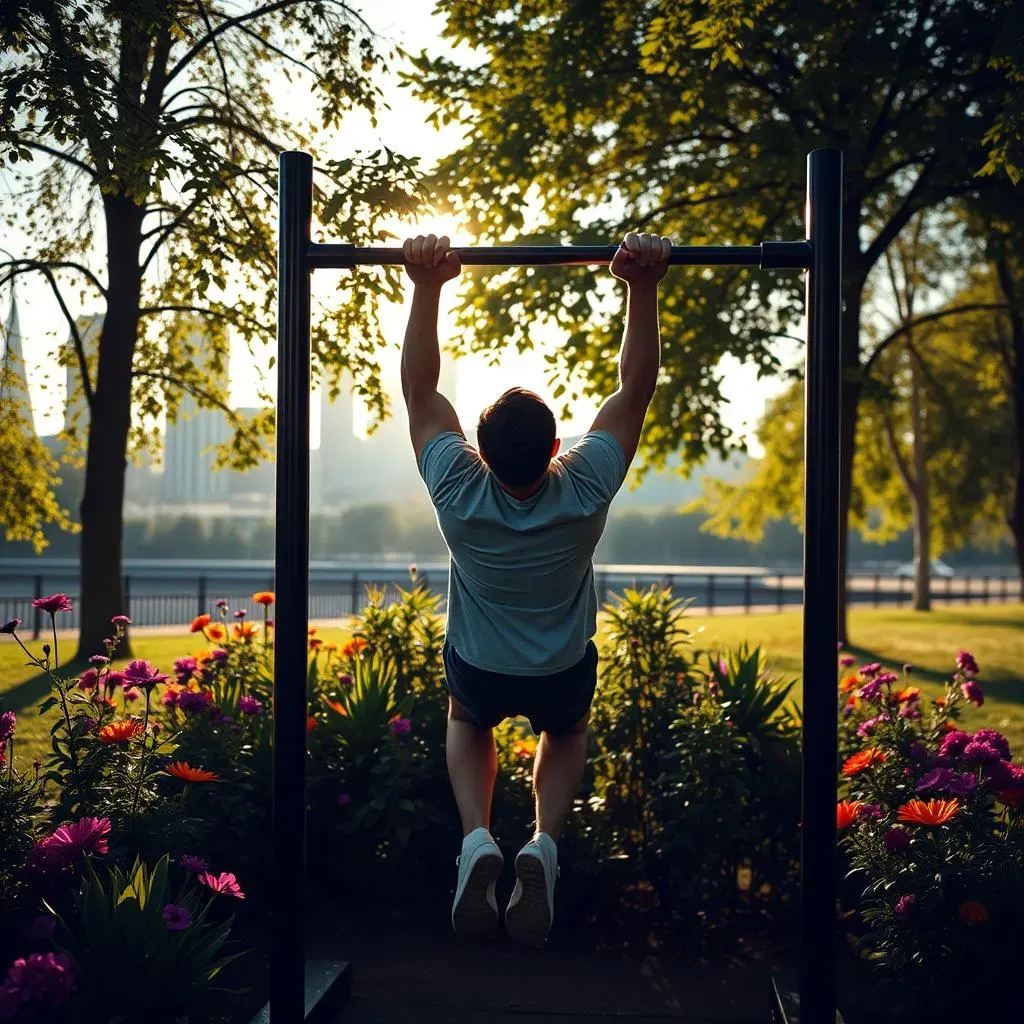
(516, 436)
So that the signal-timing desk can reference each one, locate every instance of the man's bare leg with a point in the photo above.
(472, 767)
(557, 776)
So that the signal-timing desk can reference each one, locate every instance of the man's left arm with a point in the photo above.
(429, 262)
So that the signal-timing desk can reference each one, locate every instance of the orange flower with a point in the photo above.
(907, 694)
(853, 701)
(244, 630)
(216, 632)
(336, 705)
(120, 732)
(264, 597)
(849, 683)
(863, 759)
(199, 623)
(310, 723)
(941, 702)
(525, 748)
(948, 726)
(929, 812)
(846, 813)
(330, 647)
(311, 631)
(973, 912)
(354, 646)
(314, 643)
(184, 771)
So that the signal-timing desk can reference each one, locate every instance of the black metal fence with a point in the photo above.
(153, 602)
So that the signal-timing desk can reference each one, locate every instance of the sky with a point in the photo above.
(411, 24)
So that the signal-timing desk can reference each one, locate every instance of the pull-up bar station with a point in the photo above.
(312, 991)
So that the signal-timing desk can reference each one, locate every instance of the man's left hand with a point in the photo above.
(430, 260)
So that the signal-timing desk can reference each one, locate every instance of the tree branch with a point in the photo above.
(192, 389)
(901, 463)
(60, 155)
(206, 311)
(899, 220)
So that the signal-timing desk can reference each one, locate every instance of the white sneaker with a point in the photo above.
(532, 906)
(475, 910)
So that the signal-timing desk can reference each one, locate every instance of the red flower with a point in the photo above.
(225, 883)
(199, 623)
(862, 760)
(53, 604)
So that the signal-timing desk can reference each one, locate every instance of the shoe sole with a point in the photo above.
(473, 916)
(529, 921)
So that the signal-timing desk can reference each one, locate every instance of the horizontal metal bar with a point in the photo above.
(767, 255)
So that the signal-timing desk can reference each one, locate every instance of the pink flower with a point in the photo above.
(225, 883)
(966, 663)
(997, 739)
(847, 661)
(888, 678)
(142, 673)
(249, 705)
(170, 698)
(871, 690)
(240, 614)
(99, 659)
(909, 710)
(972, 692)
(222, 605)
(190, 862)
(980, 751)
(40, 981)
(176, 917)
(953, 743)
(872, 670)
(88, 679)
(185, 669)
(53, 604)
(191, 702)
(131, 695)
(400, 726)
(121, 620)
(10, 626)
(88, 835)
(905, 907)
(219, 654)
(8, 720)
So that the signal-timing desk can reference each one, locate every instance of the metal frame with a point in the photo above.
(311, 991)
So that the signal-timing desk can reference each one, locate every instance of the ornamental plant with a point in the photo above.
(931, 831)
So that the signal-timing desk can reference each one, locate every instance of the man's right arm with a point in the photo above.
(640, 262)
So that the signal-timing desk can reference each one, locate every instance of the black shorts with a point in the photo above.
(553, 703)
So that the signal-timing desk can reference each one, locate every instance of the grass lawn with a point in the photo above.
(994, 634)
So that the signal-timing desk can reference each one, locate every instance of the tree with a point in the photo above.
(585, 120)
(144, 138)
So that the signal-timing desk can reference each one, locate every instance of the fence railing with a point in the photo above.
(152, 602)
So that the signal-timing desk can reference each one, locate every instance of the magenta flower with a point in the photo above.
(867, 727)
(190, 862)
(963, 785)
(896, 839)
(249, 705)
(972, 692)
(88, 835)
(905, 907)
(887, 678)
(998, 774)
(240, 614)
(872, 670)
(869, 812)
(937, 778)
(8, 720)
(192, 702)
(997, 739)
(219, 654)
(131, 695)
(10, 626)
(88, 679)
(176, 917)
(847, 661)
(121, 620)
(225, 883)
(185, 669)
(115, 679)
(170, 698)
(400, 726)
(966, 663)
(142, 673)
(344, 799)
(40, 981)
(99, 659)
(870, 690)
(953, 743)
(981, 752)
(222, 605)
(910, 710)
(40, 928)
(53, 604)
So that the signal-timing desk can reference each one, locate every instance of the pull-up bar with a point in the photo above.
(301, 990)
(766, 256)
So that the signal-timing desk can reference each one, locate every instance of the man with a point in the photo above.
(522, 523)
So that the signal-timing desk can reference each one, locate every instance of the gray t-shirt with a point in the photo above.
(521, 595)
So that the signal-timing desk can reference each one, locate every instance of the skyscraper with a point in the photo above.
(13, 381)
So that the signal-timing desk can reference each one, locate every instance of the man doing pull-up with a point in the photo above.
(521, 522)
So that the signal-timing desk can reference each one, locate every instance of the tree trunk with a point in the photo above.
(920, 495)
(102, 508)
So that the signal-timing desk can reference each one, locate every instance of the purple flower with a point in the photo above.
(131, 695)
(8, 720)
(40, 928)
(999, 774)
(99, 659)
(910, 710)
(121, 620)
(972, 692)
(870, 690)
(190, 862)
(917, 751)
(867, 727)
(937, 778)
(997, 739)
(249, 705)
(963, 785)
(896, 839)
(869, 812)
(905, 907)
(872, 670)
(344, 799)
(981, 752)
(115, 679)
(240, 614)
(88, 679)
(966, 663)
(185, 669)
(400, 726)
(10, 626)
(219, 654)
(53, 604)
(222, 605)
(345, 679)
(191, 701)
(170, 698)
(142, 673)
(37, 982)
(953, 743)
(176, 918)
(887, 678)
(847, 661)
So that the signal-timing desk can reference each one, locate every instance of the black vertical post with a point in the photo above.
(291, 576)
(126, 587)
(746, 595)
(201, 588)
(37, 613)
(711, 595)
(821, 587)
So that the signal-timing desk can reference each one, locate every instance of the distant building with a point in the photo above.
(13, 381)
(76, 409)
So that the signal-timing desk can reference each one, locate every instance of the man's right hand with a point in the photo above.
(641, 259)
(430, 260)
